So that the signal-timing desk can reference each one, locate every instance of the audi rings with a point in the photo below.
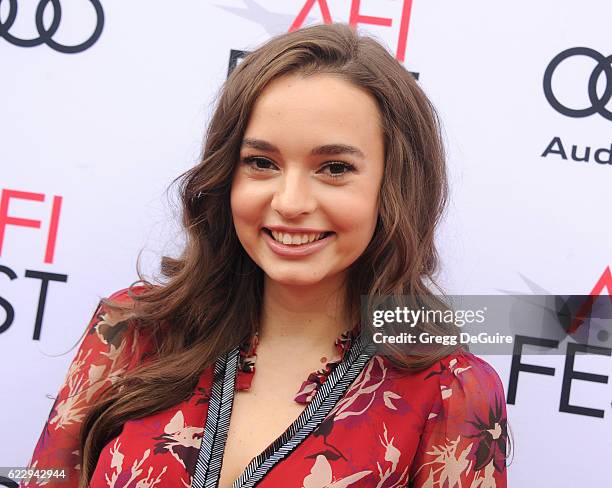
(598, 104)
(45, 35)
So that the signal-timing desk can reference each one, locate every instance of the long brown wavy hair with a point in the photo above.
(192, 313)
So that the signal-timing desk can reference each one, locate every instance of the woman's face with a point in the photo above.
(311, 162)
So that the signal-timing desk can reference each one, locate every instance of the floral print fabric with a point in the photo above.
(441, 427)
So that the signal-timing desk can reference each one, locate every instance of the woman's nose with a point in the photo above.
(293, 196)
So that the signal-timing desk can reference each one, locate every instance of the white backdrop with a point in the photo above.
(108, 127)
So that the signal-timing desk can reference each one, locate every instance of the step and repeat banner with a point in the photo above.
(104, 102)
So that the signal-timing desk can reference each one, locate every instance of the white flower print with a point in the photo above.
(451, 464)
(321, 476)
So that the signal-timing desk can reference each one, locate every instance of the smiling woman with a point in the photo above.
(322, 180)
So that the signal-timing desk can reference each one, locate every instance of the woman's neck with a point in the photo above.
(308, 317)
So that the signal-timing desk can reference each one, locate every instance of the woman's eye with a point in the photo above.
(334, 169)
(256, 163)
(339, 169)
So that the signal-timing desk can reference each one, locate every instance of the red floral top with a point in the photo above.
(366, 424)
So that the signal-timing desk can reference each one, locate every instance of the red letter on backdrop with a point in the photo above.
(605, 281)
(403, 33)
(356, 18)
(52, 237)
(299, 20)
(6, 219)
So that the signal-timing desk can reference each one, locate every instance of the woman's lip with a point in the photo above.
(295, 230)
(296, 251)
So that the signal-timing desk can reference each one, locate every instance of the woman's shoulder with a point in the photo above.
(458, 378)
(447, 367)
(474, 374)
(111, 347)
(114, 331)
(463, 434)
(469, 394)
(461, 362)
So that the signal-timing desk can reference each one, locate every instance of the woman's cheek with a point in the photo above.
(352, 214)
(245, 201)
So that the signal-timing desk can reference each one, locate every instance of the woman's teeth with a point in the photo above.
(296, 239)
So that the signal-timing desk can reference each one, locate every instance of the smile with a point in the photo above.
(296, 245)
(296, 239)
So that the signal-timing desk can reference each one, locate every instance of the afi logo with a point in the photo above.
(356, 17)
(258, 13)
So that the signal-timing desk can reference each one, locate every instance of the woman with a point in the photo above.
(322, 179)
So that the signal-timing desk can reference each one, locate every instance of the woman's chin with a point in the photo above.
(293, 279)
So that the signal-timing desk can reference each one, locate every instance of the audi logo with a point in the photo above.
(598, 103)
(45, 34)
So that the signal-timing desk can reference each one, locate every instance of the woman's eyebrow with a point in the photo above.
(326, 149)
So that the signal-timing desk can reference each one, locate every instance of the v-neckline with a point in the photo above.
(210, 456)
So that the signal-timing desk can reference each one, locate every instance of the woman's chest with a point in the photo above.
(257, 419)
(365, 438)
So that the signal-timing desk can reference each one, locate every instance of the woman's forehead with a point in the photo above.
(316, 108)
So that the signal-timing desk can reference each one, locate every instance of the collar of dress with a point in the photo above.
(356, 350)
(247, 360)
